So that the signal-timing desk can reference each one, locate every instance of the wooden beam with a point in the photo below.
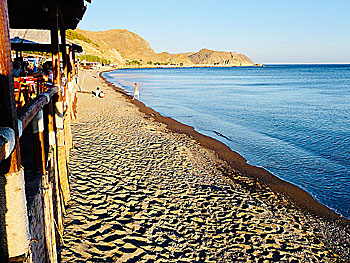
(38, 47)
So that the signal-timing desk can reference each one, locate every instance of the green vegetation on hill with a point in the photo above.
(71, 34)
(91, 58)
(133, 62)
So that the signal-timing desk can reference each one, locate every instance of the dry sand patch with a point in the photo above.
(143, 194)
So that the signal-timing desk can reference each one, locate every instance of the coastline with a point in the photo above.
(187, 66)
(144, 193)
(301, 198)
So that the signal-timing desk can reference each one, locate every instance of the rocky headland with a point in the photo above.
(208, 57)
(129, 49)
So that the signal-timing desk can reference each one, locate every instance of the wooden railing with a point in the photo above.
(51, 165)
(31, 109)
(51, 155)
(27, 88)
(26, 115)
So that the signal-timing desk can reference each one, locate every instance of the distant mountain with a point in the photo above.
(129, 49)
(220, 58)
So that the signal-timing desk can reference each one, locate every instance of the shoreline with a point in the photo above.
(144, 193)
(192, 66)
(301, 198)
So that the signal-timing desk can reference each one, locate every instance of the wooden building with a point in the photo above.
(31, 222)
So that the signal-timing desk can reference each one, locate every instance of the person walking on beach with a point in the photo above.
(136, 92)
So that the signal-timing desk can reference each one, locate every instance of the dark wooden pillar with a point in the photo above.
(64, 52)
(64, 60)
(69, 64)
(8, 113)
(13, 210)
(63, 184)
(55, 53)
(75, 66)
(66, 98)
(51, 200)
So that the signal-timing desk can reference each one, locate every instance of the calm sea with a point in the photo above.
(293, 120)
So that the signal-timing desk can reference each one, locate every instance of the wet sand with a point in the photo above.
(144, 193)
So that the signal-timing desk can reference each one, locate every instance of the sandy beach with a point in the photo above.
(147, 189)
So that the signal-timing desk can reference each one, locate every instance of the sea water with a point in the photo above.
(293, 120)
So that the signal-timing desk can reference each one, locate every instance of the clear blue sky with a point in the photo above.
(268, 31)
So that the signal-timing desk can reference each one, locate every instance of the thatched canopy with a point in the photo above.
(36, 14)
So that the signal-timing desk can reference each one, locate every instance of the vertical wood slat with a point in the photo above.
(64, 52)
(59, 114)
(50, 236)
(8, 113)
(38, 142)
(75, 83)
(66, 99)
(53, 173)
(64, 60)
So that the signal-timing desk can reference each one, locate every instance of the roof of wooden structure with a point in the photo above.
(36, 40)
(41, 47)
(36, 14)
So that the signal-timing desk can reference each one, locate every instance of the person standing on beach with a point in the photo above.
(136, 92)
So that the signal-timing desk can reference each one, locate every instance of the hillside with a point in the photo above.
(129, 49)
(220, 58)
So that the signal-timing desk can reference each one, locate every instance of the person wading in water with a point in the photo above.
(136, 92)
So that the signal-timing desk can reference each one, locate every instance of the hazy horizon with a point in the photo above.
(267, 32)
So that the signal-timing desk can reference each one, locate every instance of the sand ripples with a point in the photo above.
(142, 194)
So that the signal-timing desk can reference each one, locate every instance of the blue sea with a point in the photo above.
(293, 120)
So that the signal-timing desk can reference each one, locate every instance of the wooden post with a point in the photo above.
(47, 186)
(64, 52)
(75, 81)
(38, 141)
(75, 66)
(66, 99)
(64, 59)
(70, 98)
(59, 114)
(53, 172)
(49, 223)
(14, 232)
